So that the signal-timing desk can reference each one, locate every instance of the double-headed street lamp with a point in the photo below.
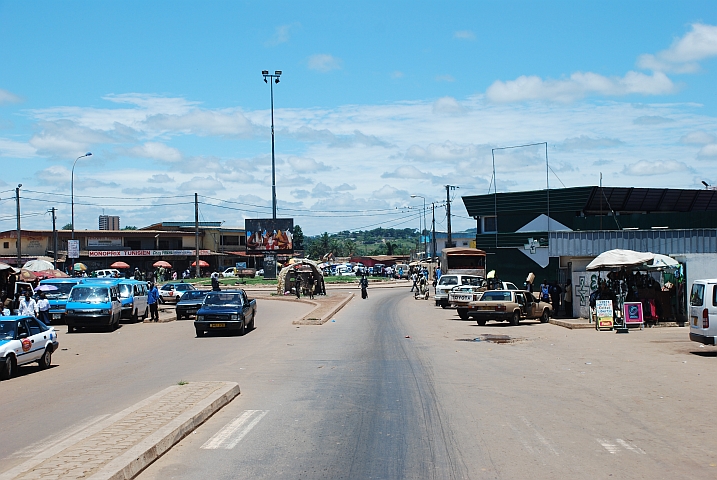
(425, 253)
(72, 187)
(272, 80)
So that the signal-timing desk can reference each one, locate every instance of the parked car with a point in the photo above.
(190, 303)
(173, 291)
(703, 312)
(107, 273)
(58, 298)
(508, 305)
(447, 282)
(133, 297)
(227, 311)
(460, 297)
(25, 340)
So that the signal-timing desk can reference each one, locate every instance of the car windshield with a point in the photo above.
(7, 330)
(62, 292)
(167, 286)
(193, 295)
(89, 295)
(125, 290)
(448, 280)
(183, 287)
(214, 299)
(475, 281)
(496, 297)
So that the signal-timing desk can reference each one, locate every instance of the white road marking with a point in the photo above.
(232, 433)
(56, 438)
(631, 447)
(610, 447)
(540, 437)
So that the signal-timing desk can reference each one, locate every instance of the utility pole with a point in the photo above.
(449, 242)
(197, 271)
(19, 231)
(54, 237)
(433, 240)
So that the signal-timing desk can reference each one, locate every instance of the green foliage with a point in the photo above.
(380, 241)
(67, 227)
(130, 227)
(298, 237)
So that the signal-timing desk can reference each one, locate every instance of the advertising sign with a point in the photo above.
(269, 235)
(240, 265)
(603, 311)
(144, 253)
(73, 248)
(633, 313)
(270, 266)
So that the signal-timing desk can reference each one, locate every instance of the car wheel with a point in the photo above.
(242, 330)
(516, 319)
(9, 370)
(252, 322)
(463, 313)
(200, 333)
(545, 318)
(481, 322)
(46, 359)
(443, 305)
(70, 329)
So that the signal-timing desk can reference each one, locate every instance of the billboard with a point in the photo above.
(269, 235)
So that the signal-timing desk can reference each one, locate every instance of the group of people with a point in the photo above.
(25, 304)
(554, 294)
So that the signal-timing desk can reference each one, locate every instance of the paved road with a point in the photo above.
(355, 398)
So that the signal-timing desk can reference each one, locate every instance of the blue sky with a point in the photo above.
(378, 101)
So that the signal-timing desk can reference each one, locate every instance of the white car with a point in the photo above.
(229, 272)
(25, 340)
(172, 292)
(108, 273)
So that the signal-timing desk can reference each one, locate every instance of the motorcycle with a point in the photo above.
(422, 291)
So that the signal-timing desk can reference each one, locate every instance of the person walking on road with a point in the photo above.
(414, 278)
(297, 286)
(43, 307)
(568, 299)
(153, 301)
(28, 305)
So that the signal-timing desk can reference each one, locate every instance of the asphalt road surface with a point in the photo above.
(356, 399)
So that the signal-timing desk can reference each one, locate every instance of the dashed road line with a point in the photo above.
(614, 448)
(233, 432)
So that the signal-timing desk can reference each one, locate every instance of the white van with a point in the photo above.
(108, 273)
(703, 312)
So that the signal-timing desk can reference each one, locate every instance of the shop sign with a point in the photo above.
(104, 242)
(603, 311)
(269, 266)
(73, 248)
(633, 313)
(143, 253)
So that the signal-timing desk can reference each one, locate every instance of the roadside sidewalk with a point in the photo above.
(122, 445)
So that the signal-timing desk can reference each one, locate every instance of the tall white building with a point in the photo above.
(109, 222)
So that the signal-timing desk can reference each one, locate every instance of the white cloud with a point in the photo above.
(306, 165)
(698, 138)
(445, 78)
(345, 187)
(161, 178)
(464, 35)
(13, 149)
(8, 97)
(282, 34)
(157, 151)
(388, 192)
(578, 86)
(684, 53)
(323, 62)
(203, 123)
(447, 105)
(651, 120)
(584, 142)
(321, 190)
(65, 138)
(396, 74)
(708, 151)
(646, 168)
(201, 184)
(407, 172)
(446, 151)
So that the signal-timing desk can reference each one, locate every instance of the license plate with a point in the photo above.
(56, 316)
(462, 298)
(217, 325)
(486, 308)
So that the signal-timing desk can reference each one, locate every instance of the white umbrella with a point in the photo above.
(663, 261)
(38, 265)
(619, 258)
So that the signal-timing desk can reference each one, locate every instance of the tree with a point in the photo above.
(298, 238)
(130, 227)
(67, 227)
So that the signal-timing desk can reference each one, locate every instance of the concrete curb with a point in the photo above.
(571, 325)
(139, 457)
(309, 320)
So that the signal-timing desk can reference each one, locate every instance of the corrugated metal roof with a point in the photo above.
(666, 242)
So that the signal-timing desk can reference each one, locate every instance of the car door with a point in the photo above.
(38, 337)
(28, 353)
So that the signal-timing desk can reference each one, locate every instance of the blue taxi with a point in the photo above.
(23, 340)
(58, 297)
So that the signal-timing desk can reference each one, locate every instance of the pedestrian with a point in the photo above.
(153, 300)
(414, 278)
(297, 286)
(43, 308)
(28, 305)
(568, 299)
(310, 287)
(15, 308)
(555, 294)
(215, 282)
(174, 275)
(545, 291)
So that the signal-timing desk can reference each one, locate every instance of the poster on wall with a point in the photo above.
(633, 313)
(270, 266)
(269, 235)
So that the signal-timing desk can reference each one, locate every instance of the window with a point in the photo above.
(496, 297)
(242, 241)
(697, 296)
(5, 244)
(490, 224)
(230, 240)
(35, 326)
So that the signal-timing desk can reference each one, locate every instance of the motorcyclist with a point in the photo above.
(364, 286)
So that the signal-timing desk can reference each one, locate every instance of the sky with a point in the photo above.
(380, 105)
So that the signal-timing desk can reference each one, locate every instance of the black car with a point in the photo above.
(228, 310)
(189, 304)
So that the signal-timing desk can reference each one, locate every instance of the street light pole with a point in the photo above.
(72, 188)
(425, 226)
(272, 80)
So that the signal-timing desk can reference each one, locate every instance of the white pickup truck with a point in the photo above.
(461, 296)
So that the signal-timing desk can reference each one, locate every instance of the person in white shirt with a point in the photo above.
(28, 305)
(43, 307)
